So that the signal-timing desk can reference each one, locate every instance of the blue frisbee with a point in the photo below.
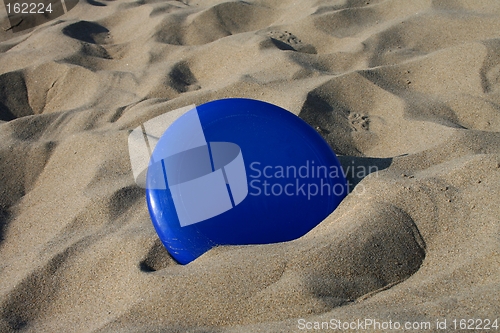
(237, 172)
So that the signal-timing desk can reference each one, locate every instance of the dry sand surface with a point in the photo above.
(409, 86)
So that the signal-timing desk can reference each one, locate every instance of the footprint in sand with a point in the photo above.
(359, 122)
(285, 40)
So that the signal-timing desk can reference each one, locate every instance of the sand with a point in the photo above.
(409, 86)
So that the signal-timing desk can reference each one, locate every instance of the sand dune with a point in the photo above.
(412, 87)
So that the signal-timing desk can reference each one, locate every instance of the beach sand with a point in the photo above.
(411, 87)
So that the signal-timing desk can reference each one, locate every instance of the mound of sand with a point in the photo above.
(411, 87)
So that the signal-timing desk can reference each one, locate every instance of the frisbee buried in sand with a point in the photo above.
(237, 172)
